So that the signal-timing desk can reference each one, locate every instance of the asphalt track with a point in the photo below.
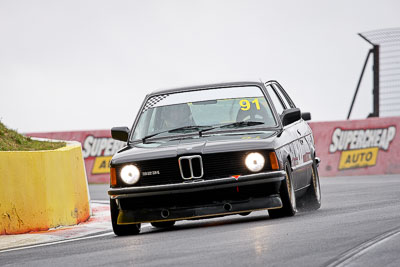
(357, 225)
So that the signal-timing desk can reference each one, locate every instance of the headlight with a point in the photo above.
(255, 162)
(130, 174)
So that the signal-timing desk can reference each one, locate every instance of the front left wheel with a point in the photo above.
(121, 230)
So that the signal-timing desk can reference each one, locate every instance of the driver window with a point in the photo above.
(275, 100)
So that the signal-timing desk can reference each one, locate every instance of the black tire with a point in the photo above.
(166, 224)
(121, 230)
(288, 197)
(312, 199)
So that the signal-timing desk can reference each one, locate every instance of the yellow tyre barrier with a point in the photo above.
(42, 189)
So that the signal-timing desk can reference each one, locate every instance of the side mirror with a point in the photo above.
(120, 133)
(306, 116)
(290, 115)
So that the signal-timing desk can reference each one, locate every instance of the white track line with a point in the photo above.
(67, 240)
(62, 241)
(347, 257)
(57, 242)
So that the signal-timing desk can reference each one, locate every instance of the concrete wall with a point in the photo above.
(42, 189)
(97, 146)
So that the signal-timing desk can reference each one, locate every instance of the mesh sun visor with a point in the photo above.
(153, 101)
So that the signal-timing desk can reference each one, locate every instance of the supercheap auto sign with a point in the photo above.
(357, 147)
(101, 149)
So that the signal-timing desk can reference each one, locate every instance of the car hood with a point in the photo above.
(173, 147)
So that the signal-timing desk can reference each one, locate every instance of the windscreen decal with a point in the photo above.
(153, 101)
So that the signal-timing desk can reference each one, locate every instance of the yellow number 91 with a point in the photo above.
(245, 104)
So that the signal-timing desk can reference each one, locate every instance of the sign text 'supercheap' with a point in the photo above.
(360, 147)
(102, 148)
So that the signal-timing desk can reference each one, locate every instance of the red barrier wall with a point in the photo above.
(358, 147)
(354, 147)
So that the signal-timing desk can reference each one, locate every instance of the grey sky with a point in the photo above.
(77, 65)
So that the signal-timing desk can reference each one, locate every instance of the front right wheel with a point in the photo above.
(121, 230)
(288, 197)
(312, 199)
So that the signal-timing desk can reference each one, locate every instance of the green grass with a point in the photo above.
(10, 140)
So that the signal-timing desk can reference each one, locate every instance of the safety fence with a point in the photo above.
(388, 69)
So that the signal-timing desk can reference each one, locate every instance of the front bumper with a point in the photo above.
(187, 213)
(196, 185)
(198, 199)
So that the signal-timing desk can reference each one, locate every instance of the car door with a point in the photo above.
(302, 169)
(294, 145)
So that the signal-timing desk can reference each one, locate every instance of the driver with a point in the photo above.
(176, 116)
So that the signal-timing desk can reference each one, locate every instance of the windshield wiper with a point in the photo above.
(190, 127)
(241, 124)
(203, 128)
(231, 125)
(208, 129)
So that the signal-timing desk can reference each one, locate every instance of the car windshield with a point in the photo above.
(204, 110)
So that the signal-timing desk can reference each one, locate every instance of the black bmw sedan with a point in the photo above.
(213, 150)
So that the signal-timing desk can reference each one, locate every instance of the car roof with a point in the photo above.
(206, 86)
